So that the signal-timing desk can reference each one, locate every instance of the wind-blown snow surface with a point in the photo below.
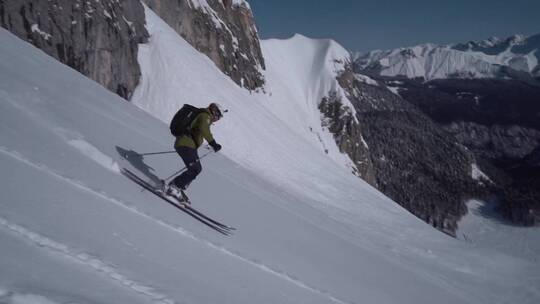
(73, 230)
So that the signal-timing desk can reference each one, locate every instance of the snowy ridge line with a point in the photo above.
(84, 259)
(278, 273)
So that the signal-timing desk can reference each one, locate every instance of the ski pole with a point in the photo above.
(185, 168)
(154, 153)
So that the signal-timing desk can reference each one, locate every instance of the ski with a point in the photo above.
(209, 218)
(215, 225)
(188, 206)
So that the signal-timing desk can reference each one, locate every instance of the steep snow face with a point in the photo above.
(87, 234)
(278, 133)
(478, 175)
(301, 71)
(471, 60)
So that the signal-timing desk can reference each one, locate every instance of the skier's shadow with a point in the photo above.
(137, 161)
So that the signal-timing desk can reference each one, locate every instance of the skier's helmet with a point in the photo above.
(216, 110)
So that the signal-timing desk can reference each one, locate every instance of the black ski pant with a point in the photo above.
(193, 165)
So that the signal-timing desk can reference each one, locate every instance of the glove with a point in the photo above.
(215, 145)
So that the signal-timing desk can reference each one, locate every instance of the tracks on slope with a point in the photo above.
(257, 264)
(83, 258)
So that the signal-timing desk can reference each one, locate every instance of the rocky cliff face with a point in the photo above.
(98, 38)
(402, 152)
(339, 120)
(224, 30)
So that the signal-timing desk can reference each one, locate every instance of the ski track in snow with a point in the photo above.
(84, 258)
(104, 267)
(93, 153)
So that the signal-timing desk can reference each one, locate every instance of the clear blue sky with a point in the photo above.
(362, 25)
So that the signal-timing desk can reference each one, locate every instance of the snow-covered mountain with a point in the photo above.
(74, 230)
(515, 57)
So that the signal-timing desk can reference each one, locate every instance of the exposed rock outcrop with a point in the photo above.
(346, 129)
(224, 30)
(97, 38)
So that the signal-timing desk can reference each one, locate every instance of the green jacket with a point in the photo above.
(200, 129)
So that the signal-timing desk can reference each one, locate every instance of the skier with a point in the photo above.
(186, 146)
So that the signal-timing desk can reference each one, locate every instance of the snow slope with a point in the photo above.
(73, 230)
(174, 73)
(484, 59)
(484, 227)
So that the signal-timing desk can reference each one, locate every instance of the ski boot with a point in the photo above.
(175, 192)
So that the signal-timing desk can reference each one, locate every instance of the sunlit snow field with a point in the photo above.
(74, 230)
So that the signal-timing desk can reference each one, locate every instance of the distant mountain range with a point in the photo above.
(516, 57)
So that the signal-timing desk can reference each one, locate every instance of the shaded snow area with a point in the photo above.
(366, 79)
(478, 175)
(483, 227)
(73, 230)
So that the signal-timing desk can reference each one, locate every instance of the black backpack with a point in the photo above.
(181, 122)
